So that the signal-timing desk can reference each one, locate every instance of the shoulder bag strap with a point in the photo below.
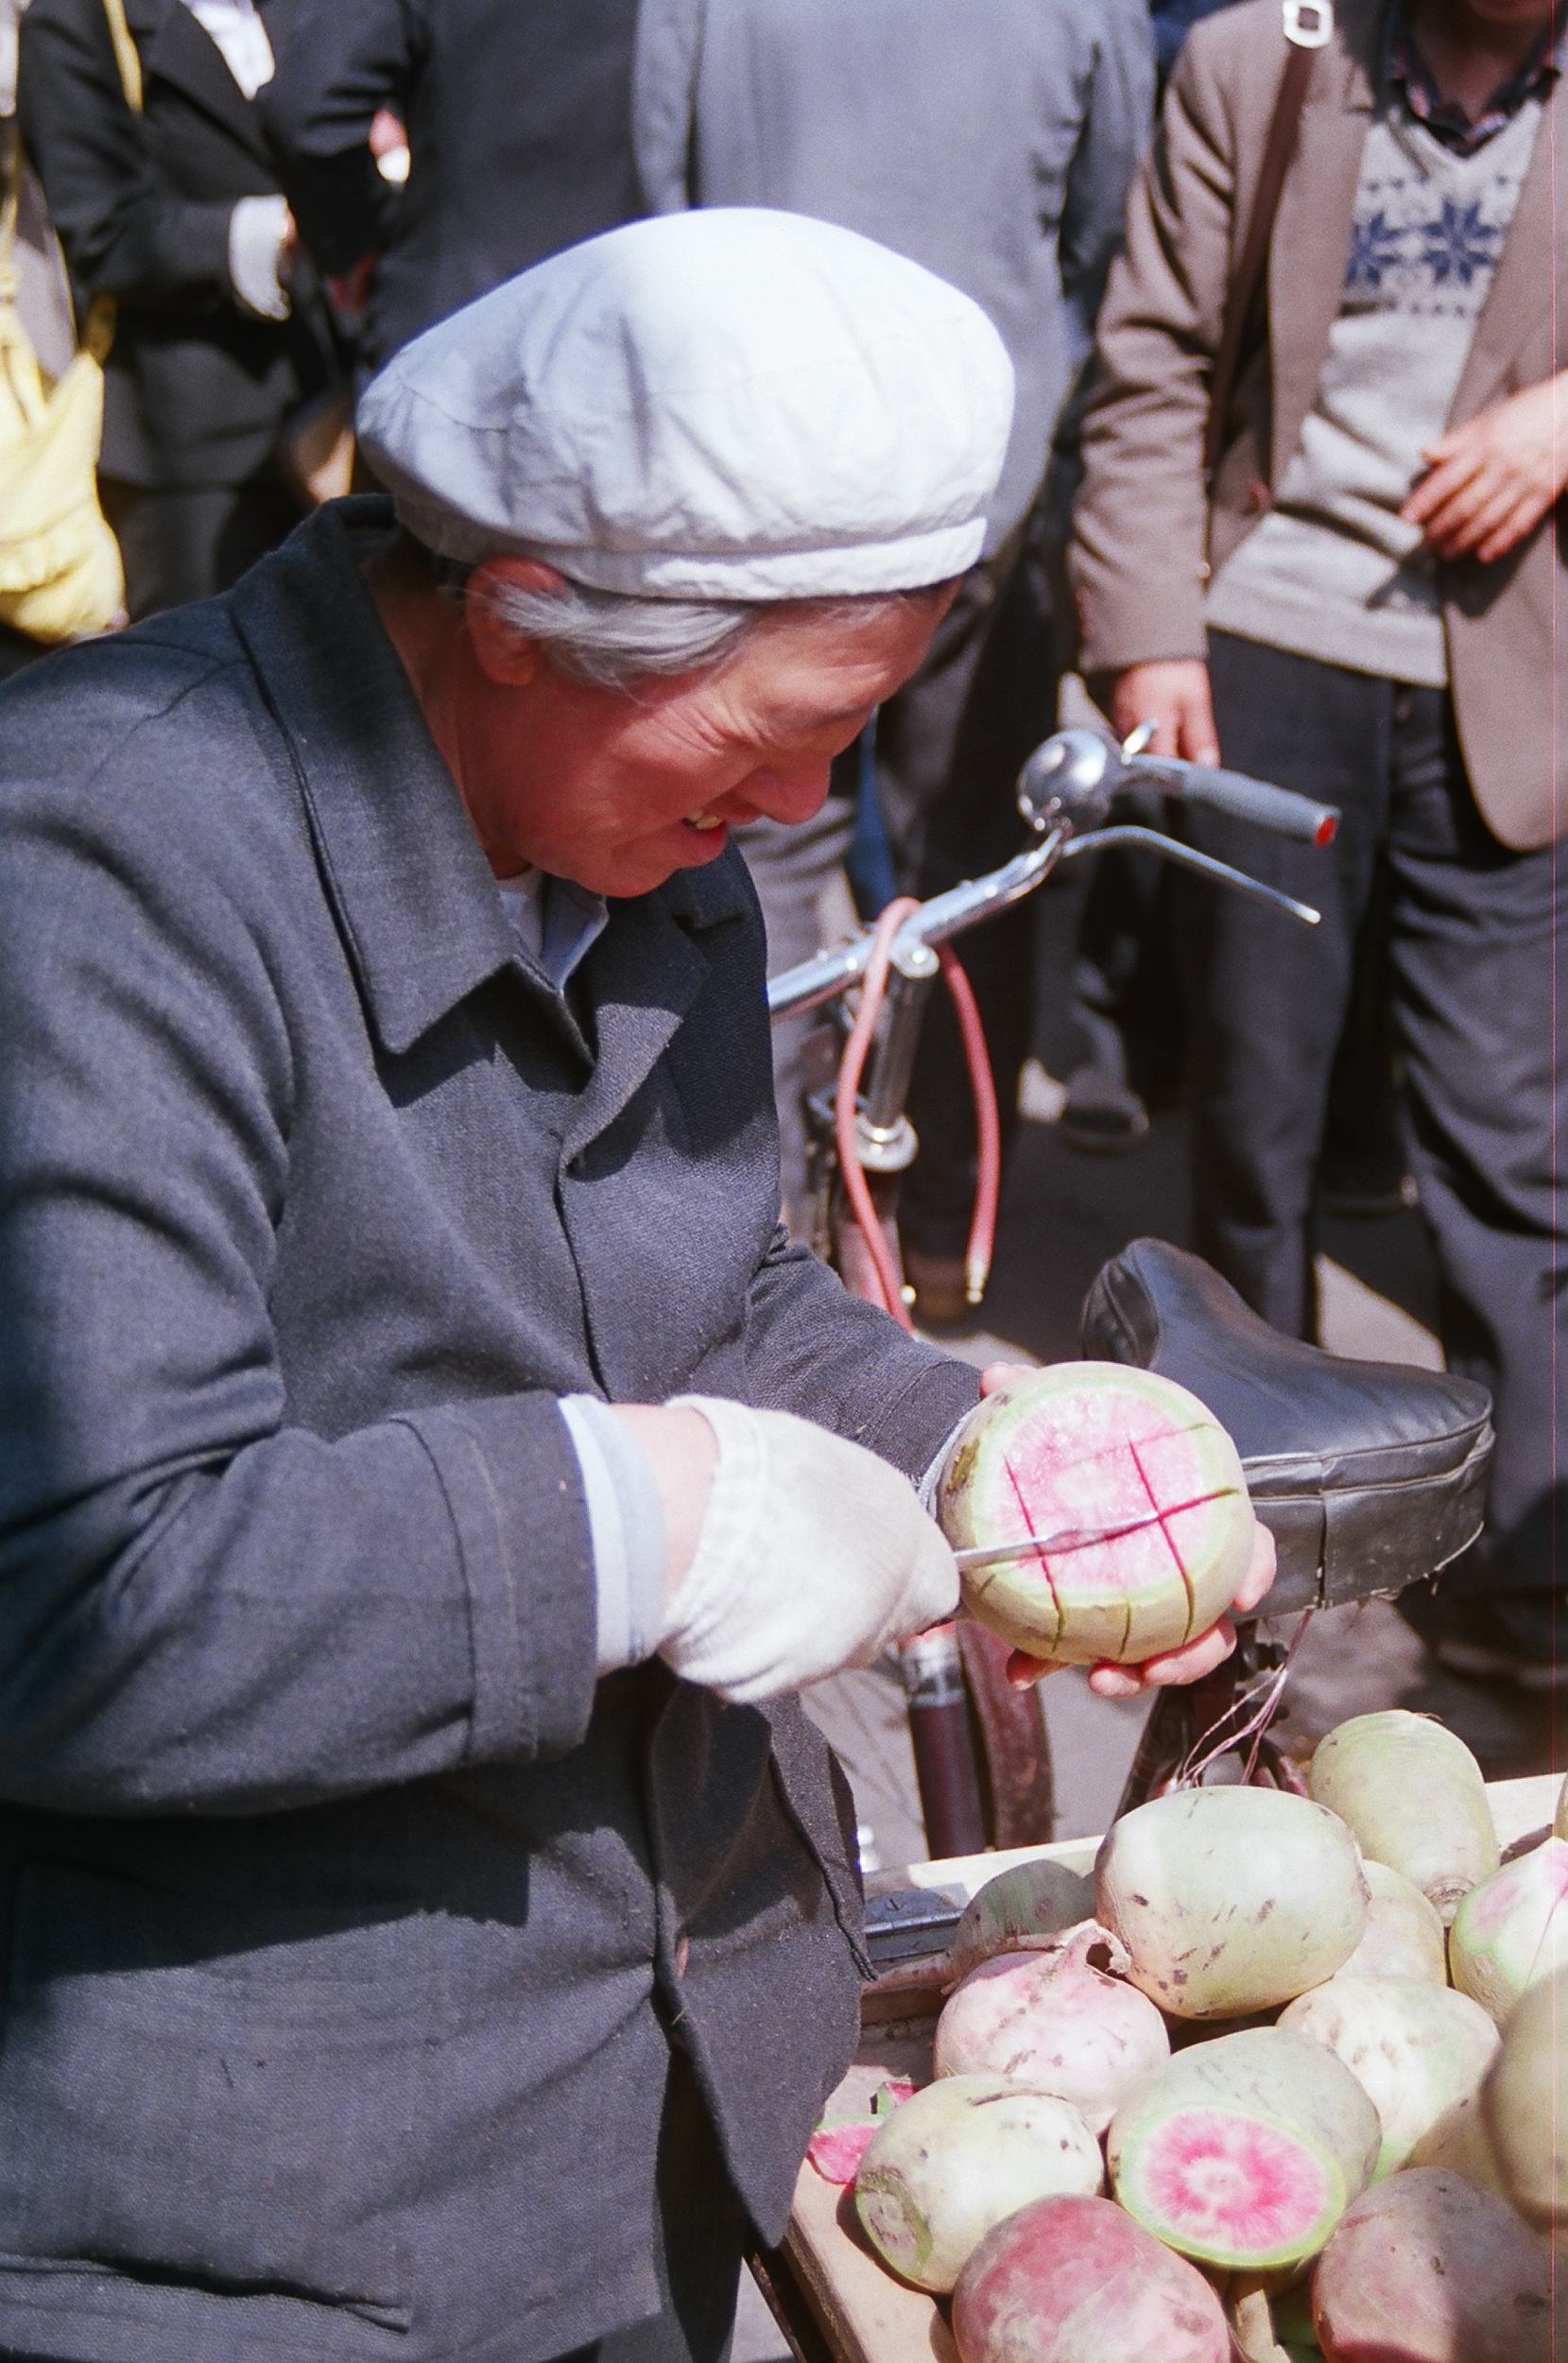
(10, 200)
(1309, 25)
(125, 54)
(97, 329)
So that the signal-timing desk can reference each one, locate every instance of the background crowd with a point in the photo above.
(1348, 582)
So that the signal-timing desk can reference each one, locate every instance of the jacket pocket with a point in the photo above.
(229, 2095)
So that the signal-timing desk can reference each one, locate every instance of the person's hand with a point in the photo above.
(1174, 695)
(1189, 1664)
(1492, 481)
(793, 1553)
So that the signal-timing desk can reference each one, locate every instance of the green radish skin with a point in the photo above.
(1244, 2151)
(1231, 1901)
(1426, 2269)
(1076, 2281)
(1029, 1904)
(956, 2159)
(1414, 1796)
(1512, 1929)
(1403, 1936)
(1420, 2052)
(1524, 2106)
(1081, 1447)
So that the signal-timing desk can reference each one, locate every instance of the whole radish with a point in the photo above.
(1231, 1899)
(1076, 2281)
(1426, 2269)
(1415, 1797)
(956, 2159)
(1055, 2020)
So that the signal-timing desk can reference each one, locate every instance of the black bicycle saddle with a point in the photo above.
(1369, 1475)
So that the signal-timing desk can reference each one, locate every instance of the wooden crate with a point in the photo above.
(823, 2273)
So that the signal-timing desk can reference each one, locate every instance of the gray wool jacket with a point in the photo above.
(344, 1913)
(994, 144)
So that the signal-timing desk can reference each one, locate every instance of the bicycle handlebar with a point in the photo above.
(1280, 810)
(1065, 792)
(1071, 782)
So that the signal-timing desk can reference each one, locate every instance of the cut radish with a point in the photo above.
(835, 2150)
(1244, 2151)
(1081, 1448)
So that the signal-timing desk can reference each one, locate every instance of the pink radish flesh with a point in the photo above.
(1080, 1449)
(1231, 2185)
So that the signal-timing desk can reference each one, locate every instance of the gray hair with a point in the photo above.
(613, 640)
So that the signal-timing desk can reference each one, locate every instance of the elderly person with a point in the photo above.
(433, 1923)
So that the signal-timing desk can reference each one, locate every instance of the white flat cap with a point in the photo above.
(731, 404)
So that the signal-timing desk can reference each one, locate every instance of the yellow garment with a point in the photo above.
(61, 574)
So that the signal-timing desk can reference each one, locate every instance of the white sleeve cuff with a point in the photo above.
(258, 231)
(626, 1525)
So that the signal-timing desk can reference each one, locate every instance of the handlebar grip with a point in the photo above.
(1279, 810)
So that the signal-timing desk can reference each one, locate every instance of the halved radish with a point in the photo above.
(1079, 1449)
(1247, 2150)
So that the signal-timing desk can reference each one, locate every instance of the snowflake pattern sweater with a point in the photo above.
(1332, 572)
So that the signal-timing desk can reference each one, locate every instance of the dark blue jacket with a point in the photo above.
(345, 1912)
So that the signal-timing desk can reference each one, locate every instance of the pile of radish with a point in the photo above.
(1318, 2039)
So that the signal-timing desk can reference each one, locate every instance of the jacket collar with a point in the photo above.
(412, 891)
(175, 49)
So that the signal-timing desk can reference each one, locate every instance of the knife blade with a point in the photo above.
(1036, 1546)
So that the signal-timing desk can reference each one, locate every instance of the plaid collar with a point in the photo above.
(1408, 73)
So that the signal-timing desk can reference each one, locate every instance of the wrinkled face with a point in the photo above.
(617, 792)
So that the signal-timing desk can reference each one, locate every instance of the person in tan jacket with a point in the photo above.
(1367, 602)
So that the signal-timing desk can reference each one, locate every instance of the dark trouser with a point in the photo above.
(791, 869)
(949, 747)
(1476, 999)
(188, 543)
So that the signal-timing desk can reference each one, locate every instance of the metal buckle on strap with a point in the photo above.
(1309, 22)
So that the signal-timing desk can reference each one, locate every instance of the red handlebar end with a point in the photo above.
(1327, 829)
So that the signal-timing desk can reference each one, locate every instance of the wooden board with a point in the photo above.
(865, 2315)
